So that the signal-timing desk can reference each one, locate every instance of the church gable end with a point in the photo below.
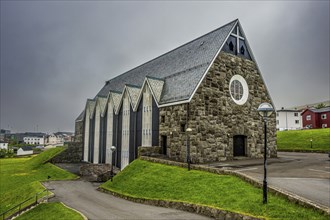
(220, 126)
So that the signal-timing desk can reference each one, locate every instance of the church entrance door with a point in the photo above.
(239, 145)
(164, 144)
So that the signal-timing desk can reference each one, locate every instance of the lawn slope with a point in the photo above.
(148, 180)
(20, 177)
(295, 140)
(51, 211)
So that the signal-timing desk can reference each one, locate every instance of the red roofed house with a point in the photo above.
(316, 118)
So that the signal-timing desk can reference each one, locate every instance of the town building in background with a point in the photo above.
(3, 133)
(3, 145)
(59, 138)
(292, 118)
(288, 119)
(24, 151)
(316, 118)
(34, 140)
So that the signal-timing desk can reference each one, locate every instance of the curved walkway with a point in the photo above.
(304, 174)
(83, 196)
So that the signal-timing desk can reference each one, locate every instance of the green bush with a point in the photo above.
(6, 153)
(3, 153)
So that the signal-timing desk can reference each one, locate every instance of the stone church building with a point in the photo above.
(211, 85)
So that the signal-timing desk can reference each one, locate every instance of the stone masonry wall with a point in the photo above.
(79, 131)
(215, 118)
(73, 154)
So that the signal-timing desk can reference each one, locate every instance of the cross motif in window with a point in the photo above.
(237, 36)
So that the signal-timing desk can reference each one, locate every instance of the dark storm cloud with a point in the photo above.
(55, 55)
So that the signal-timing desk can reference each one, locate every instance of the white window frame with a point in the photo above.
(308, 117)
(324, 116)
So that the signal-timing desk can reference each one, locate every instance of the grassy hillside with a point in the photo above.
(20, 177)
(300, 140)
(51, 211)
(157, 181)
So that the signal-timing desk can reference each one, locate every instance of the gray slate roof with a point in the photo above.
(182, 68)
(325, 109)
(26, 148)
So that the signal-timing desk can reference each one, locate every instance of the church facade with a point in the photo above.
(211, 85)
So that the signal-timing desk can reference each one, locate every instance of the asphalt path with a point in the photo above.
(304, 174)
(83, 196)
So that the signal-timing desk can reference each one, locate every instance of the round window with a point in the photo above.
(239, 90)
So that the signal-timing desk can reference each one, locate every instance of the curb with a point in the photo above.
(304, 151)
(84, 217)
(184, 206)
(289, 196)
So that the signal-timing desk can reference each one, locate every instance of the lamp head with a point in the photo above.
(112, 148)
(265, 109)
(188, 130)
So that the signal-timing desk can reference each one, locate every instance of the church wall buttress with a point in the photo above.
(97, 135)
(109, 133)
(86, 137)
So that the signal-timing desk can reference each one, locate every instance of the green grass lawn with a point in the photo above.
(157, 181)
(20, 177)
(51, 211)
(300, 140)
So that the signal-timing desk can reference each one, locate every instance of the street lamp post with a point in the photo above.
(113, 149)
(265, 110)
(188, 130)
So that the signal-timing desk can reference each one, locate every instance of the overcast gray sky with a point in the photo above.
(56, 54)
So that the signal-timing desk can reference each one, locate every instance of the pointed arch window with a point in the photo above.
(231, 46)
(242, 50)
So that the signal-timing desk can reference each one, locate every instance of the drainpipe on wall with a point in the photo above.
(187, 140)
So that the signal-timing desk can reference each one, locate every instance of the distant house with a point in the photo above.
(316, 118)
(34, 140)
(24, 151)
(59, 138)
(288, 119)
(54, 139)
(3, 145)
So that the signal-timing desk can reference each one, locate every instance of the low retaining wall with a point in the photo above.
(149, 151)
(291, 197)
(198, 209)
(72, 154)
(95, 172)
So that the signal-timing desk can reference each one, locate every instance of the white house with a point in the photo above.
(3, 145)
(24, 151)
(34, 140)
(54, 139)
(288, 119)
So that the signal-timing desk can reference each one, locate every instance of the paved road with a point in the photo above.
(304, 174)
(83, 196)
